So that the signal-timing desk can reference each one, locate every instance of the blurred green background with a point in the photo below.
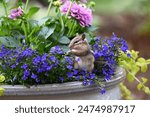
(129, 19)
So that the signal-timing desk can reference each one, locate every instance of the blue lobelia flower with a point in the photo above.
(102, 91)
(92, 82)
(44, 57)
(68, 60)
(129, 55)
(70, 74)
(36, 60)
(14, 79)
(27, 73)
(13, 66)
(34, 76)
(61, 79)
(56, 50)
(92, 76)
(78, 77)
(49, 67)
(85, 82)
(97, 39)
(27, 52)
(69, 67)
(24, 77)
(53, 58)
(75, 72)
(24, 66)
(124, 46)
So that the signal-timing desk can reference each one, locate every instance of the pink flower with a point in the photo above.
(15, 13)
(80, 13)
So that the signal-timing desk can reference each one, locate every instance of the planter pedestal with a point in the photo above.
(66, 91)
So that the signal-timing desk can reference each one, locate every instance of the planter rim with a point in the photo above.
(62, 88)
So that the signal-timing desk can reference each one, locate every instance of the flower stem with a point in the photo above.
(69, 10)
(134, 76)
(25, 32)
(26, 6)
(73, 28)
(62, 23)
(70, 29)
(5, 8)
(49, 7)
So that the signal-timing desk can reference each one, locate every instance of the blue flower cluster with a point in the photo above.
(106, 52)
(24, 65)
(27, 66)
(86, 77)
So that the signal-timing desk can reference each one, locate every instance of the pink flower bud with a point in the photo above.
(16, 13)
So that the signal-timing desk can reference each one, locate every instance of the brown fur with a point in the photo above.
(82, 51)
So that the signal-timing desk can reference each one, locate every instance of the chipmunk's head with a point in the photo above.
(79, 45)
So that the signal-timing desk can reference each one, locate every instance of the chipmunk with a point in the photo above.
(84, 58)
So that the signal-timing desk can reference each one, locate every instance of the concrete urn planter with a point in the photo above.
(67, 91)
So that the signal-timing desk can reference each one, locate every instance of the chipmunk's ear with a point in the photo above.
(83, 36)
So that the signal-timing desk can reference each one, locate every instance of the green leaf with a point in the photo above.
(65, 48)
(48, 45)
(47, 31)
(88, 37)
(144, 68)
(126, 93)
(139, 86)
(43, 21)
(64, 40)
(50, 31)
(33, 23)
(32, 11)
(19, 2)
(142, 63)
(141, 60)
(1, 91)
(146, 90)
(145, 80)
(148, 60)
(9, 41)
(130, 77)
(134, 54)
(2, 78)
(124, 64)
(134, 69)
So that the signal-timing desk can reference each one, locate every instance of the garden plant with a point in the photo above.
(35, 52)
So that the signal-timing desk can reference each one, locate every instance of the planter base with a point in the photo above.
(112, 94)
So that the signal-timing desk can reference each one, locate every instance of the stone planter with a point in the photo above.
(67, 91)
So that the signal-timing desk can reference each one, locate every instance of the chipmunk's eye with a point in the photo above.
(75, 42)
